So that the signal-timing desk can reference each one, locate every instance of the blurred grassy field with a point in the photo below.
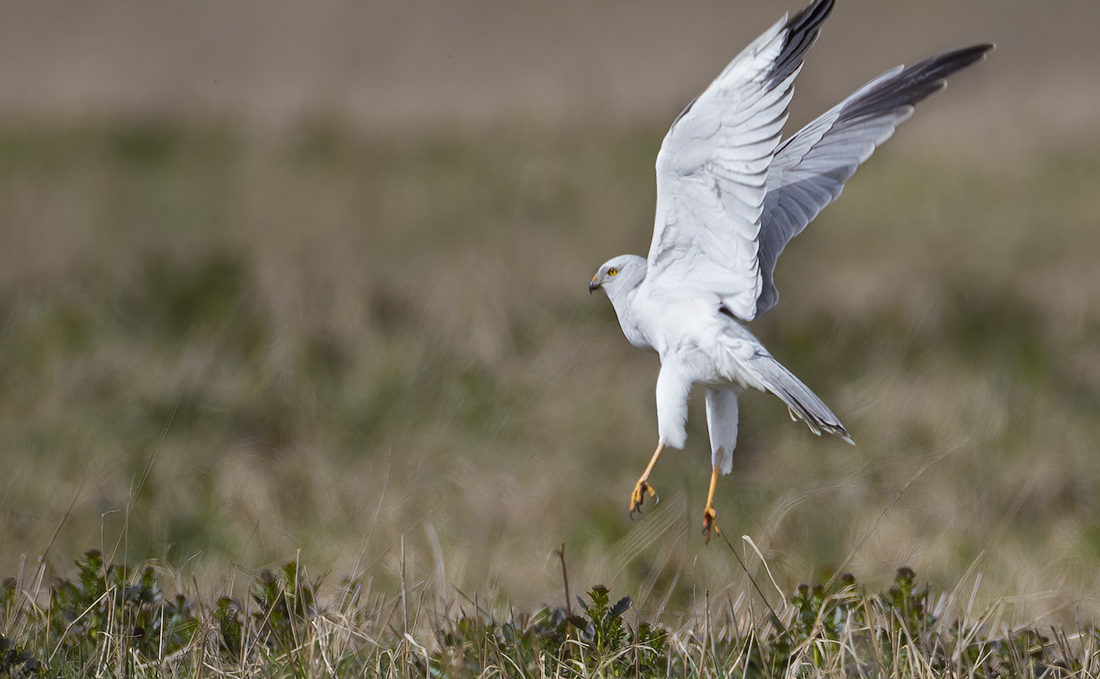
(226, 346)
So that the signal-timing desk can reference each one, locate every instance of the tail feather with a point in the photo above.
(801, 402)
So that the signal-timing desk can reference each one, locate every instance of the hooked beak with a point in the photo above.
(593, 285)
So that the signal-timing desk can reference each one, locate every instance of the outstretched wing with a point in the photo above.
(809, 169)
(713, 164)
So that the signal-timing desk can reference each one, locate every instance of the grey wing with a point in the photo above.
(712, 166)
(809, 169)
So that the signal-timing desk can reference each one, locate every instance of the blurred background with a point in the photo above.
(285, 280)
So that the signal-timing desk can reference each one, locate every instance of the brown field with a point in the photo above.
(277, 283)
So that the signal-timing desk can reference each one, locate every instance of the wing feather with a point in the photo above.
(713, 166)
(809, 169)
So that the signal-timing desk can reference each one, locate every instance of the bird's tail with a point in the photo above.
(801, 402)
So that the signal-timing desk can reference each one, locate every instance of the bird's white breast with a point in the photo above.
(689, 329)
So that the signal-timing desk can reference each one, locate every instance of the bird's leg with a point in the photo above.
(710, 517)
(643, 486)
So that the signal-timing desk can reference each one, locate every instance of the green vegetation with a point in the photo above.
(220, 347)
(110, 620)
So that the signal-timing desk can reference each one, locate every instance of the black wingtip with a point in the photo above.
(813, 14)
(802, 31)
(947, 63)
(916, 82)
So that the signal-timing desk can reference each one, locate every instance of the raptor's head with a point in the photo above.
(618, 275)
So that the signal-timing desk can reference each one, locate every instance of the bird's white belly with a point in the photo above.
(688, 336)
(710, 347)
(689, 330)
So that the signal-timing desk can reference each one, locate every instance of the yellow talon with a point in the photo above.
(642, 487)
(710, 521)
(638, 496)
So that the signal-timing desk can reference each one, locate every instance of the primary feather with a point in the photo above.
(809, 169)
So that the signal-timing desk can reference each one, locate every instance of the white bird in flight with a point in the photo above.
(730, 195)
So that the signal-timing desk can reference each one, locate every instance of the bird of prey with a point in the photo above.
(730, 195)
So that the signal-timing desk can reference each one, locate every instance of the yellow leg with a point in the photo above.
(710, 517)
(643, 486)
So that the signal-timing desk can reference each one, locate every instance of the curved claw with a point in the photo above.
(710, 521)
(638, 497)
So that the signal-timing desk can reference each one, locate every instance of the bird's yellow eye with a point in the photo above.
(612, 271)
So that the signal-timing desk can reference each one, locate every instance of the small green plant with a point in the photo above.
(626, 649)
(599, 642)
(107, 599)
(227, 616)
(109, 620)
(17, 662)
(285, 605)
(909, 602)
(825, 610)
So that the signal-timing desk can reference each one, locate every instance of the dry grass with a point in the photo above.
(113, 621)
(222, 348)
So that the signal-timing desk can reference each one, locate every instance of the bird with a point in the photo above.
(731, 193)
